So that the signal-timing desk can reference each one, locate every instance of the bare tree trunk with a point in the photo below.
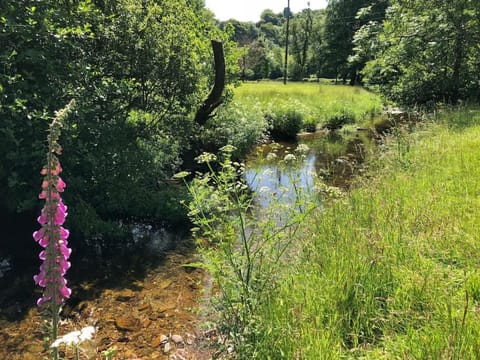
(215, 98)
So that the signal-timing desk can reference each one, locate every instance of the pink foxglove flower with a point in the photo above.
(52, 236)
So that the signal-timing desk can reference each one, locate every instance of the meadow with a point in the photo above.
(317, 104)
(270, 108)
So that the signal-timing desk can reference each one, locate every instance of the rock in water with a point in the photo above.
(159, 340)
(167, 348)
(177, 339)
(125, 295)
(128, 323)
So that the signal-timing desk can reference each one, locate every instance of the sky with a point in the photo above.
(250, 10)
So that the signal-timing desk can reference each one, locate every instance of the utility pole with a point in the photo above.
(286, 12)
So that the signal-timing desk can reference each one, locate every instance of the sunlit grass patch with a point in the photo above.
(317, 103)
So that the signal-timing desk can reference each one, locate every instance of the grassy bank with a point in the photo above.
(283, 111)
(316, 104)
(392, 270)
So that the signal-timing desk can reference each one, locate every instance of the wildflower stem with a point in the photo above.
(52, 236)
(51, 251)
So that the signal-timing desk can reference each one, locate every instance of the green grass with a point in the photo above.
(317, 103)
(392, 270)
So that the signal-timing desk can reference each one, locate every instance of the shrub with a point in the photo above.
(284, 122)
(242, 247)
(339, 119)
(235, 125)
(310, 123)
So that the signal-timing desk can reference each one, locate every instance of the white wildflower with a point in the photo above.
(228, 148)
(289, 158)
(271, 156)
(75, 337)
(205, 158)
(302, 148)
(87, 333)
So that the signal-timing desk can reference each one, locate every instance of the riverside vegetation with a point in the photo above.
(259, 109)
(306, 106)
(389, 271)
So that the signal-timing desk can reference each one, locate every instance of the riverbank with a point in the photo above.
(391, 270)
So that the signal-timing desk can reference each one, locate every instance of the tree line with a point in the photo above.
(413, 52)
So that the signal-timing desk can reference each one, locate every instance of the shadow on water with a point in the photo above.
(116, 266)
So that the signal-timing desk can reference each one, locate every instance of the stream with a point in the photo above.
(282, 167)
(149, 311)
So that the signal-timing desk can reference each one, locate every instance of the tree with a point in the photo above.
(138, 72)
(429, 52)
(271, 33)
(40, 62)
(258, 60)
(315, 63)
(302, 26)
(341, 23)
(243, 33)
(270, 26)
(269, 17)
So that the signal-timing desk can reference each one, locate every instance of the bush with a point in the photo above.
(284, 123)
(310, 123)
(339, 119)
(243, 248)
(235, 125)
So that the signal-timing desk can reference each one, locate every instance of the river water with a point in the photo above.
(142, 304)
(286, 168)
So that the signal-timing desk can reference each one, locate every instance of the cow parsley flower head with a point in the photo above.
(289, 158)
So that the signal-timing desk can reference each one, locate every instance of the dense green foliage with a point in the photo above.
(427, 52)
(138, 72)
(263, 44)
(320, 41)
(236, 125)
(343, 19)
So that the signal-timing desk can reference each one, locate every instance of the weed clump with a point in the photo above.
(284, 123)
(339, 119)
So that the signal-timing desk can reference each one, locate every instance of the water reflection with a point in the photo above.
(332, 157)
(283, 180)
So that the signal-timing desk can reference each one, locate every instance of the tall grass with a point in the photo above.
(391, 271)
(317, 103)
